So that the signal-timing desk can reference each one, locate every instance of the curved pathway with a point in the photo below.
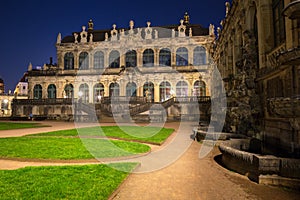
(187, 178)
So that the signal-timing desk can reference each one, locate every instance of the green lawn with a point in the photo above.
(63, 182)
(154, 135)
(17, 125)
(67, 148)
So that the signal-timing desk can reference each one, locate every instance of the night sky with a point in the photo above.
(29, 28)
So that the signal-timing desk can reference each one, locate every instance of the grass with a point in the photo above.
(17, 125)
(67, 148)
(155, 135)
(63, 182)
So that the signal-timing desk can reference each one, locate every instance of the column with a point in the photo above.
(156, 93)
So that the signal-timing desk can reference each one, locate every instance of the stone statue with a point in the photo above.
(211, 30)
(91, 38)
(173, 33)
(155, 34)
(58, 40)
(190, 32)
(90, 25)
(227, 4)
(76, 37)
(106, 36)
(219, 31)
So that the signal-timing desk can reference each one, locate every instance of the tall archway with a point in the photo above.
(164, 91)
(148, 91)
(114, 89)
(51, 91)
(131, 89)
(69, 91)
(84, 93)
(182, 89)
(37, 92)
(98, 92)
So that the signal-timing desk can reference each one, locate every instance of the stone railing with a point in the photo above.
(199, 99)
(59, 101)
(123, 99)
(289, 56)
(272, 56)
(284, 107)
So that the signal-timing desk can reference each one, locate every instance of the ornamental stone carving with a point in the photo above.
(181, 29)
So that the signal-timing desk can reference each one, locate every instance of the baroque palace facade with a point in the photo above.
(257, 53)
(150, 64)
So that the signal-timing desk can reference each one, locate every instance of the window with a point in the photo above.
(148, 58)
(148, 91)
(68, 91)
(165, 57)
(131, 90)
(83, 93)
(278, 22)
(83, 60)
(114, 59)
(4, 104)
(114, 89)
(37, 92)
(99, 60)
(182, 89)
(69, 61)
(182, 56)
(164, 91)
(199, 56)
(130, 58)
(199, 88)
(98, 92)
(51, 91)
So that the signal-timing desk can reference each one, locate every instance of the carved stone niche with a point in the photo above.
(83, 35)
(148, 31)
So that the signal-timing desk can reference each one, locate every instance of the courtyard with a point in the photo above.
(187, 178)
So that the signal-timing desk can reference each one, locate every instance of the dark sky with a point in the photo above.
(29, 28)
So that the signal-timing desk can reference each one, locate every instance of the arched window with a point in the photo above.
(114, 89)
(165, 57)
(51, 91)
(4, 104)
(148, 58)
(164, 91)
(199, 88)
(83, 60)
(131, 90)
(69, 91)
(37, 92)
(114, 59)
(98, 60)
(98, 92)
(182, 56)
(199, 56)
(182, 89)
(69, 61)
(148, 91)
(130, 58)
(83, 93)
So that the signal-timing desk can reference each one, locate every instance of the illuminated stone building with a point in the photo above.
(148, 64)
(257, 52)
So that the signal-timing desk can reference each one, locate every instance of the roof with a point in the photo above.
(163, 32)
